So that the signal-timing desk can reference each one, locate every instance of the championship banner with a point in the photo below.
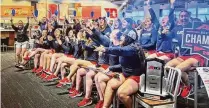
(197, 39)
(20, 11)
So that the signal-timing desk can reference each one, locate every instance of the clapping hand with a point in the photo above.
(100, 49)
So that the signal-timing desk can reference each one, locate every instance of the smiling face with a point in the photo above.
(124, 23)
(184, 17)
(148, 23)
(164, 21)
(101, 22)
(57, 33)
(70, 33)
(44, 33)
(20, 24)
(44, 19)
(116, 24)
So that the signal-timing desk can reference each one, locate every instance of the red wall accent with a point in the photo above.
(86, 11)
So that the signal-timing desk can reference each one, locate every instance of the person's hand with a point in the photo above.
(100, 49)
(148, 2)
(59, 41)
(172, 1)
(165, 31)
(50, 38)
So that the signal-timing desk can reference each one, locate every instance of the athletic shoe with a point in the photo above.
(65, 81)
(17, 65)
(40, 69)
(43, 75)
(59, 85)
(85, 102)
(48, 72)
(34, 70)
(26, 58)
(76, 93)
(21, 67)
(71, 90)
(186, 91)
(99, 104)
(180, 89)
(51, 78)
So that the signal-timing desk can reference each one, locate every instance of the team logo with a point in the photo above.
(197, 39)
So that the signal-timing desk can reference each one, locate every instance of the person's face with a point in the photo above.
(184, 18)
(116, 24)
(101, 22)
(95, 24)
(20, 24)
(147, 23)
(124, 24)
(57, 33)
(164, 21)
(70, 33)
(44, 33)
(111, 23)
(113, 37)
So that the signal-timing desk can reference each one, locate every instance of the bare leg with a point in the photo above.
(125, 91)
(36, 58)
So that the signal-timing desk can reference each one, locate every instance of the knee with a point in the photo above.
(111, 85)
(121, 95)
(96, 78)
(63, 65)
(89, 75)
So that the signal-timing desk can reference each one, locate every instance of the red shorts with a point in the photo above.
(93, 62)
(169, 55)
(151, 51)
(135, 78)
(195, 56)
(105, 66)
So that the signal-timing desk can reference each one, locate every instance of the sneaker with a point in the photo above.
(59, 85)
(85, 102)
(17, 65)
(51, 78)
(40, 69)
(180, 89)
(65, 81)
(34, 70)
(71, 90)
(99, 104)
(186, 91)
(26, 58)
(43, 75)
(76, 93)
(48, 72)
(21, 67)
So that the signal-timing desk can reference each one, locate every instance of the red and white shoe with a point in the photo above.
(65, 81)
(51, 78)
(34, 70)
(39, 70)
(59, 85)
(43, 75)
(71, 90)
(76, 93)
(48, 72)
(186, 91)
(99, 104)
(85, 102)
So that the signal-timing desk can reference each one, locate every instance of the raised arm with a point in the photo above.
(154, 19)
(121, 51)
(13, 26)
(27, 24)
